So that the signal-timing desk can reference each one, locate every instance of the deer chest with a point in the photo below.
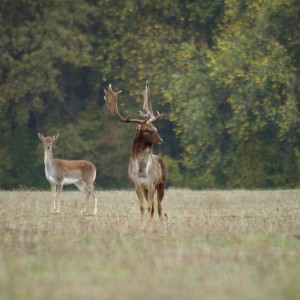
(141, 165)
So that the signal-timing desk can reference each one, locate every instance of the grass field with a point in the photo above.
(214, 245)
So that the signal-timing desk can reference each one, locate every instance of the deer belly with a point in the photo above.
(70, 180)
(72, 176)
(67, 180)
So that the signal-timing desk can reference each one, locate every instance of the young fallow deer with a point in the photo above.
(59, 172)
(147, 171)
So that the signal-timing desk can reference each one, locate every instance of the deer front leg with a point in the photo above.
(53, 189)
(140, 194)
(58, 193)
(151, 192)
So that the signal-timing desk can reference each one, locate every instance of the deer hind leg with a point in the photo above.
(81, 186)
(160, 195)
(91, 189)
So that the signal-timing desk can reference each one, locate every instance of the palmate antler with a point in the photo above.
(147, 107)
(111, 100)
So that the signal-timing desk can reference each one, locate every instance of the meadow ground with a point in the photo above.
(214, 245)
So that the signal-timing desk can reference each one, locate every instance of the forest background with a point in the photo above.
(225, 74)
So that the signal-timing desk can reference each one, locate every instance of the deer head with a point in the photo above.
(48, 141)
(145, 129)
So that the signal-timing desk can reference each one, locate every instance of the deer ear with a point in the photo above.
(55, 137)
(41, 137)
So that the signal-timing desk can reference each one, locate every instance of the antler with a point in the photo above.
(147, 103)
(147, 107)
(111, 100)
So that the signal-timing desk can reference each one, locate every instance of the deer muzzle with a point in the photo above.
(160, 140)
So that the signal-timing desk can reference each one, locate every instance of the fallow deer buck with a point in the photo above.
(61, 172)
(147, 171)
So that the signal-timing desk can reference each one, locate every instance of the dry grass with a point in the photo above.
(214, 245)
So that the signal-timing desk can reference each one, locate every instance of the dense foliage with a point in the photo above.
(225, 73)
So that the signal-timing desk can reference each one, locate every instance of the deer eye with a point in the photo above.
(146, 131)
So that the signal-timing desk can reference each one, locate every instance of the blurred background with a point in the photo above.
(225, 74)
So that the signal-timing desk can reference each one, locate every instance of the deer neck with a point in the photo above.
(140, 148)
(48, 159)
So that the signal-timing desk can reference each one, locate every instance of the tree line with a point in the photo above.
(225, 73)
